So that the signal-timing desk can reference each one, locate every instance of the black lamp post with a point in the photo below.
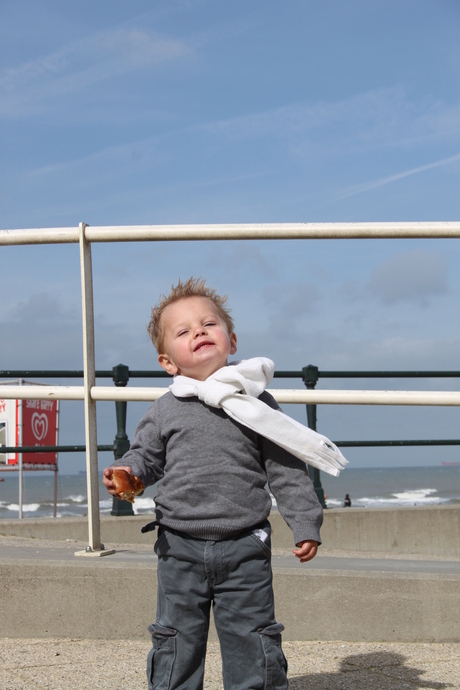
(121, 442)
(310, 375)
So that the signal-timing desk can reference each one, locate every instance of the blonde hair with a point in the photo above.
(193, 287)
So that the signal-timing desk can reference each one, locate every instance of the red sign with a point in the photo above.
(39, 428)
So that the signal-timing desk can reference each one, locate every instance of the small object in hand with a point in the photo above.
(126, 485)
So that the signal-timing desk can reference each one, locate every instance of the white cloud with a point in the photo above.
(305, 132)
(35, 85)
(289, 306)
(372, 119)
(41, 332)
(41, 307)
(414, 276)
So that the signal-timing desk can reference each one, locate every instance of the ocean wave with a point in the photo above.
(27, 507)
(143, 504)
(368, 488)
(61, 504)
(415, 495)
(76, 499)
(69, 513)
(334, 503)
(140, 505)
(401, 499)
(405, 499)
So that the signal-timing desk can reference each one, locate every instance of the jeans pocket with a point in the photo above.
(160, 660)
(265, 546)
(275, 661)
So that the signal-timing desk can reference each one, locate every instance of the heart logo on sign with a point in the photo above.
(39, 425)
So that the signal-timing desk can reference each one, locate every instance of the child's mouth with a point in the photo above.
(203, 345)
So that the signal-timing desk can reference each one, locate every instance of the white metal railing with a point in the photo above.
(243, 231)
(283, 396)
(90, 393)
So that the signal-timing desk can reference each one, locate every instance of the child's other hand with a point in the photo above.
(107, 478)
(306, 550)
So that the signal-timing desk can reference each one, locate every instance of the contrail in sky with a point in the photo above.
(367, 186)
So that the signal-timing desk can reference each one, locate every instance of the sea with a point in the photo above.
(368, 488)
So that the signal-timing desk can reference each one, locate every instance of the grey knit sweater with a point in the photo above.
(214, 472)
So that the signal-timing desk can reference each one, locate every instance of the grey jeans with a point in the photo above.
(233, 576)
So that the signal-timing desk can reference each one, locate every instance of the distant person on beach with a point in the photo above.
(347, 501)
(211, 438)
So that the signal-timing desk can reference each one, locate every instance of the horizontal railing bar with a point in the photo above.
(39, 236)
(76, 374)
(34, 392)
(369, 374)
(259, 231)
(342, 444)
(387, 374)
(49, 373)
(376, 444)
(242, 231)
(146, 373)
(287, 396)
(366, 374)
(51, 449)
(307, 397)
(363, 397)
(28, 467)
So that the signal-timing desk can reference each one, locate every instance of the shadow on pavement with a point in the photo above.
(380, 670)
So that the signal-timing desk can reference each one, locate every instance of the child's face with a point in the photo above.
(196, 341)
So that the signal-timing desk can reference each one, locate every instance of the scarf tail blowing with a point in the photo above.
(235, 389)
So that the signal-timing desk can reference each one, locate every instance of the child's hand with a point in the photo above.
(107, 478)
(306, 550)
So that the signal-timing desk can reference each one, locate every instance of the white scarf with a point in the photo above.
(236, 389)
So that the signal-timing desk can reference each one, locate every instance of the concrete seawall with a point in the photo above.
(105, 599)
(430, 531)
(378, 592)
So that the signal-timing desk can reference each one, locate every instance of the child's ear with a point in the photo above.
(232, 343)
(167, 365)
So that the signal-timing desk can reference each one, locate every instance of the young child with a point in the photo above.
(212, 505)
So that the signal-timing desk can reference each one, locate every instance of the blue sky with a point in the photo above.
(118, 113)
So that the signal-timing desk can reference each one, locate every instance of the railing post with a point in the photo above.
(92, 477)
(310, 377)
(121, 442)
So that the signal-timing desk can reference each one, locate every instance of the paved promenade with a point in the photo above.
(20, 548)
(61, 628)
(56, 664)
(115, 664)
